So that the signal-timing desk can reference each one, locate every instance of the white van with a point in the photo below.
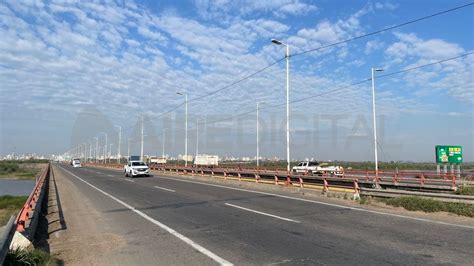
(76, 163)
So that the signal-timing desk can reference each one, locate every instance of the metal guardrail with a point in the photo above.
(27, 216)
(402, 193)
(29, 213)
(364, 179)
(345, 183)
(6, 238)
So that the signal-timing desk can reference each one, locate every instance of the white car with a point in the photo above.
(76, 163)
(317, 168)
(136, 168)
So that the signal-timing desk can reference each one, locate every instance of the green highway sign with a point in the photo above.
(448, 154)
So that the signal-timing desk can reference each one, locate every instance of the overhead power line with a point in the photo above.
(149, 119)
(316, 49)
(384, 29)
(341, 88)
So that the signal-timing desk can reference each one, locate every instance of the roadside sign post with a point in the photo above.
(449, 155)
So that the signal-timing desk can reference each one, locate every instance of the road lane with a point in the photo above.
(262, 213)
(95, 233)
(159, 224)
(199, 211)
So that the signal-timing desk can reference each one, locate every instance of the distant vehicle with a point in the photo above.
(136, 168)
(134, 158)
(206, 160)
(317, 168)
(157, 160)
(76, 163)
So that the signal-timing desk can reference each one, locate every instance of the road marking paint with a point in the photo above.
(167, 189)
(129, 180)
(110, 175)
(170, 230)
(262, 213)
(324, 203)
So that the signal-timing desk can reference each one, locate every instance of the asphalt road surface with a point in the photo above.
(171, 220)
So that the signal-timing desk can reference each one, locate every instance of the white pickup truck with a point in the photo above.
(206, 160)
(136, 168)
(317, 168)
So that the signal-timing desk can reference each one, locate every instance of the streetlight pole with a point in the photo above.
(105, 148)
(258, 129)
(186, 128)
(163, 151)
(128, 153)
(110, 150)
(119, 155)
(96, 147)
(85, 151)
(141, 149)
(375, 126)
(90, 151)
(287, 56)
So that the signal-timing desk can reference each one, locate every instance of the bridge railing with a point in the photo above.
(30, 211)
(346, 179)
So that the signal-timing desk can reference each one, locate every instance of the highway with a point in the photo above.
(174, 220)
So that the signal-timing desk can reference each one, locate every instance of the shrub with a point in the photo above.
(429, 205)
(29, 257)
(466, 191)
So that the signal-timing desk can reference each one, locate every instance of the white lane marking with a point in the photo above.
(324, 203)
(129, 180)
(110, 175)
(167, 189)
(262, 213)
(170, 230)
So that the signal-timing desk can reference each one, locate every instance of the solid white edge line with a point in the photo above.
(324, 203)
(262, 213)
(167, 189)
(188, 241)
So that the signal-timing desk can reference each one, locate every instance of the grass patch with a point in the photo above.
(10, 205)
(29, 257)
(465, 191)
(429, 205)
(18, 170)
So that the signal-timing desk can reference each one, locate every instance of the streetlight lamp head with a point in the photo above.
(277, 42)
(179, 93)
(378, 69)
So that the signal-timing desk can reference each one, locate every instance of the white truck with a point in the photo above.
(317, 168)
(157, 160)
(206, 160)
(136, 168)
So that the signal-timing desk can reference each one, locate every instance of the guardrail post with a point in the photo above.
(326, 185)
(240, 176)
(395, 179)
(256, 178)
(288, 179)
(300, 179)
(356, 189)
(276, 180)
(422, 179)
(453, 184)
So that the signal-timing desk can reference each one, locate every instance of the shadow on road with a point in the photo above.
(51, 219)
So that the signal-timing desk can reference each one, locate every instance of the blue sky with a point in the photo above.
(72, 69)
